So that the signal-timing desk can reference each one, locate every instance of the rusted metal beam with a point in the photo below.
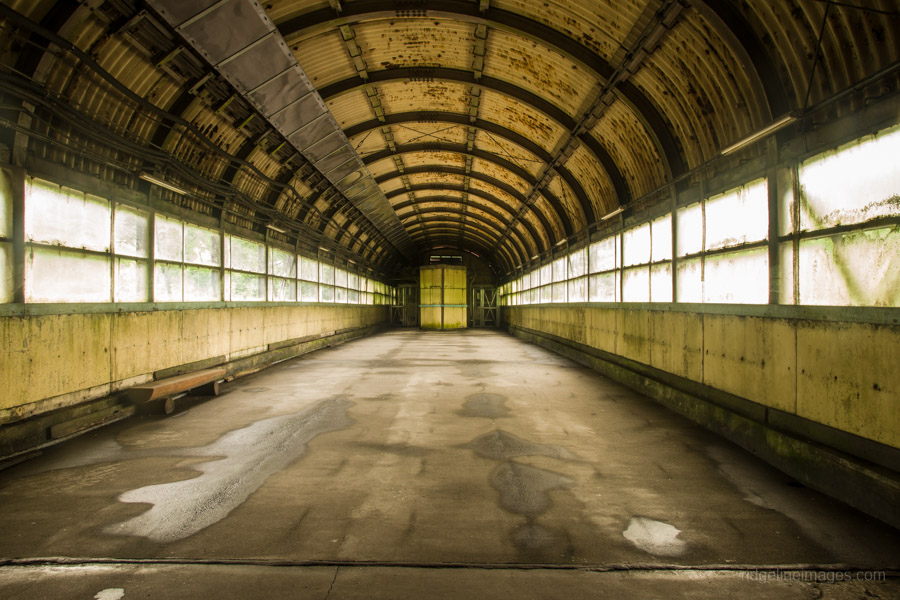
(600, 152)
(447, 187)
(525, 247)
(487, 156)
(648, 114)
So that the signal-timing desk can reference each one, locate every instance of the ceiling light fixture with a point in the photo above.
(619, 210)
(162, 184)
(765, 131)
(275, 228)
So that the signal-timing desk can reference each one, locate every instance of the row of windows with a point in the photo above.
(83, 248)
(838, 242)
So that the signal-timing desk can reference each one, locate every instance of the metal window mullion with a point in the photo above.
(795, 229)
(774, 258)
(17, 185)
(674, 225)
(621, 250)
(702, 237)
(152, 254)
(112, 251)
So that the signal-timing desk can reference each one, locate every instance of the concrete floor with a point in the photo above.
(447, 464)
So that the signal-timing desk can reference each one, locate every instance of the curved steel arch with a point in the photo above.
(756, 60)
(490, 83)
(603, 157)
(441, 187)
(648, 114)
(453, 234)
(447, 200)
(489, 230)
(524, 248)
(420, 169)
(489, 157)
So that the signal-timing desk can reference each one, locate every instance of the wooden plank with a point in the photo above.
(171, 386)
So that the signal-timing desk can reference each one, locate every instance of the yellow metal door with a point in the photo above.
(442, 293)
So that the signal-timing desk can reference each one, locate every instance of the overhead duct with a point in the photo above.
(240, 41)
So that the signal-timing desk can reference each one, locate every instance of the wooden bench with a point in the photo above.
(170, 388)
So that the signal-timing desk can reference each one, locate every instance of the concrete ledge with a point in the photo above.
(46, 429)
(789, 443)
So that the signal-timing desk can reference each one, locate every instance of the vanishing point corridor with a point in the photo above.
(410, 455)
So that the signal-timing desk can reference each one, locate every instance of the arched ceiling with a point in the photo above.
(501, 127)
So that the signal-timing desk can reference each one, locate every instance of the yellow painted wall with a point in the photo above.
(53, 361)
(840, 374)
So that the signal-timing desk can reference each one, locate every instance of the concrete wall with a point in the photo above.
(54, 361)
(840, 374)
(817, 398)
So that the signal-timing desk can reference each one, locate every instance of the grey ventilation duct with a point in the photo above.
(245, 47)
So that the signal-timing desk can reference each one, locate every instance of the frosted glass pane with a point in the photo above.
(6, 273)
(169, 239)
(605, 287)
(578, 263)
(352, 297)
(309, 292)
(636, 285)
(690, 281)
(247, 255)
(340, 295)
(60, 215)
(131, 280)
(559, 269)
(201, 285)
(604, 254)
(861, 268)
(786, 291)
(690, 229)
(636, 244)
(282, 290)
(202, 246)
(738, 216)
(326, 293)
(661, 230)
(856, 182)
(546, 294)
(326, 274)
(546, 274)
(740, 277)
(309, 269)
(167, 283)
(248, 288)
(340, 278)
(282, 264)
(661, 283)
(132, 232)
(352, 281)
(6, 227)
(559, 292)
(57, 275)
(578, 290)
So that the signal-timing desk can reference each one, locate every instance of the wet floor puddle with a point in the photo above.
(248, 457)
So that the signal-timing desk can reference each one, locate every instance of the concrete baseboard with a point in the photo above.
(856, 471)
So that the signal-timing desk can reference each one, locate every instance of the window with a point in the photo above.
(246, 261)
(67, 236)
(282, 275)
(131, 244)
(856, 185)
